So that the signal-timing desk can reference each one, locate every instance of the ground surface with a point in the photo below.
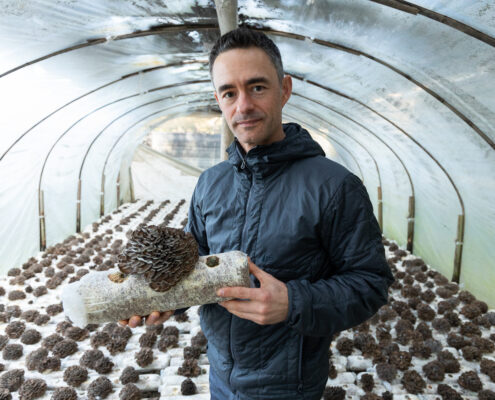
(419, 296)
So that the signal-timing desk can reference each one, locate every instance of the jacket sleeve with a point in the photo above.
(196, 224)
(359, 275)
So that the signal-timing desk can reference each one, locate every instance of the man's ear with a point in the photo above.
(286, 89)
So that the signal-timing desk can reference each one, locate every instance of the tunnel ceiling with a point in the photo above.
(403, 91)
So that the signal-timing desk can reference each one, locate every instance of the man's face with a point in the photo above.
(250, 95)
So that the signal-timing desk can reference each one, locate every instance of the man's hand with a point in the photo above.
(155, 318)
(265, 305)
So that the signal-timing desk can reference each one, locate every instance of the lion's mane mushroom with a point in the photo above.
(15, 329)
(64, 348)
(90, 357)
(449, 362)
(470, 380)
(189, 368)
(100, 388)
(448, 393)
(144, 357)
(12, 380)
(32, 389)
(36, 358)
(413, 382)
(130, 392)
(75, 375)
(334, 393)
(30, 336)
(64, 393)
(386, 372)
(12, 351)
(188, 387)
(50, 341)
(129, 375)
(162, 255)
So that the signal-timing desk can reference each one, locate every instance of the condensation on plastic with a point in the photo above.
(375, 119)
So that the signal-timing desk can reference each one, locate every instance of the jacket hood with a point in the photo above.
(265, 159)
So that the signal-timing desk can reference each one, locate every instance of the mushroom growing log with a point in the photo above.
(108, 296)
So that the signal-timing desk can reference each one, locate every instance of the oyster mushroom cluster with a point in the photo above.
(162, 255)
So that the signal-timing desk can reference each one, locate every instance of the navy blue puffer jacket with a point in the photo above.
(307, 221)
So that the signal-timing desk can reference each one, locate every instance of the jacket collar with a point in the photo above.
(265, 159)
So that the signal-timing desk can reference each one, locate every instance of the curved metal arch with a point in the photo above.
(122, 115)
(414, 9)
(365, 128)
(208, 103)
(145, 70)
(355, 52)
(390, 122)
(461, 218)
(345, 134)
(333, 139)
(411, 205)
(157, 30)
(104, 106)
(299, 37)
(379, 190)
(78, 216)
(300, 121)
(41, 211)
(168, 28)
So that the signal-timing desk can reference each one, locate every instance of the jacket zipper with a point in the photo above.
(243, 165)
(231, 351)
(299, 368)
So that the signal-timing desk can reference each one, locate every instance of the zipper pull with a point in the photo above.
(243, 165)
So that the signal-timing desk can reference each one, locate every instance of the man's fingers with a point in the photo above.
(152, 318)
(135, 320)
(157, 317)
(257, 271)
(241, 306)
(239, 292)
(164, 316)
(123, 322)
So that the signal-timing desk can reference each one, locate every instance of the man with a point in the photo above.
(316, 256)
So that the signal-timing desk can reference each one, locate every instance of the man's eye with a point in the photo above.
(258, 88)
(228, 95)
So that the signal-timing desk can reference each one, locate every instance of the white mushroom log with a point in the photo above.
(109, 296)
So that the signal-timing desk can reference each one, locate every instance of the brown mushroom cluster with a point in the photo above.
(162, 255)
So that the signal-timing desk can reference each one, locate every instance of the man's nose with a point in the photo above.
(244, 103)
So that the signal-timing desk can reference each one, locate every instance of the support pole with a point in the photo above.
(78, 212)
(380, 208)
(410, 224)
(131, 185)
(458, 248)
(118, 190)
(226, 15)
(42, 221)
(227, 21)
(102, 196)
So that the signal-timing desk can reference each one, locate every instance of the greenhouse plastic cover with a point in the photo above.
(401, 93)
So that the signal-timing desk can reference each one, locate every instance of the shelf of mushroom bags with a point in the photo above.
(432, 339)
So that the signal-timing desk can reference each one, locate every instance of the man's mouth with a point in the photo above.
(248, 122)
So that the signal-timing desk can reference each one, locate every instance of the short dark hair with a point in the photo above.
(243, 38)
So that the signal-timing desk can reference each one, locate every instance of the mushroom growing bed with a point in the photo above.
(432, 340)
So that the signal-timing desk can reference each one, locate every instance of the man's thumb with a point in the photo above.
(256, 271)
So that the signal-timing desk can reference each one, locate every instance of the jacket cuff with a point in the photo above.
(292, 318)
